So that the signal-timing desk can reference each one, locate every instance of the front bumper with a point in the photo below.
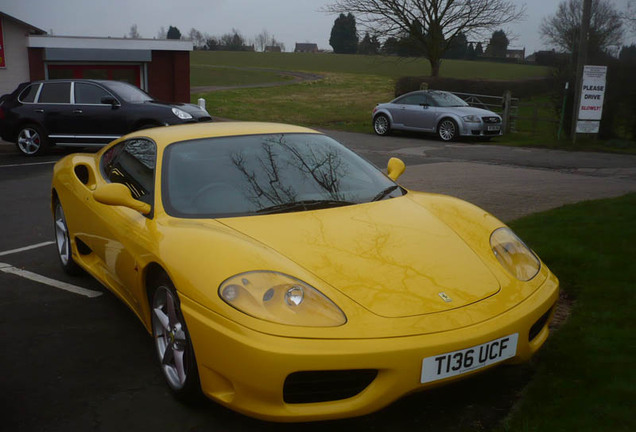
(481, 129)
(247, 370)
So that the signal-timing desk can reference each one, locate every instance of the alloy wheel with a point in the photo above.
(62, 238)
(171, 339)
(29, 141)
(447, 130)
(381, 125)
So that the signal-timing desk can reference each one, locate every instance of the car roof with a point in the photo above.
(164, 136)
(97, 81)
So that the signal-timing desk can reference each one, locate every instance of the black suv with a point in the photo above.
(82, 113)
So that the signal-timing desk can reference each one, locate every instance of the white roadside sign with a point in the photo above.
(592, 96)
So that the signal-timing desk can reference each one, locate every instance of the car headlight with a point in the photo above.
(514, 255)
(471, 119)
(181, 114)
(282, 299)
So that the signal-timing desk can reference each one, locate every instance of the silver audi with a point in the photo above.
(435, 111)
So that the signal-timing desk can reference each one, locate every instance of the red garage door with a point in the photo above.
(127, 73)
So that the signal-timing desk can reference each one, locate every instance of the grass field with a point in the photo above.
(209, 75)
(339, 101)
(586, 373)
(352, 86)
(393, 67)
(343, 100)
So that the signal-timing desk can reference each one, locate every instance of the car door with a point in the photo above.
(112, 232)
(419, 113)
(53, 108)
(97, 121)
(413, 111)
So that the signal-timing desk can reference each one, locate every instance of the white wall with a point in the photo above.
(16, 54)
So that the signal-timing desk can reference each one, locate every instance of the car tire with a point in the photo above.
(382, 125)
(63, 241)
(447, 130)
(32, 140)
(172, 342)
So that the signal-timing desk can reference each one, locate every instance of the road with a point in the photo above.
(71, 362)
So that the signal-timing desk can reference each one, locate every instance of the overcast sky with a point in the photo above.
(290, 21)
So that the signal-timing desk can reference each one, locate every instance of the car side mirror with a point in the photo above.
(117, 194)
(395, 168)
(109, 100)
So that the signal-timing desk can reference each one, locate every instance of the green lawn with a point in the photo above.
(339, 101)
(586, 373)
(209, 75)
(393, 67)
(352, 86)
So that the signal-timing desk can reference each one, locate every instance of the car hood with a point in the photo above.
(191, 109)
(392, 257)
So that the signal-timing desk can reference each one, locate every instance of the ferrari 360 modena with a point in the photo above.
(287, 278)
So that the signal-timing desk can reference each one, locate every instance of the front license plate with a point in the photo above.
(458, 362)
(494, 128)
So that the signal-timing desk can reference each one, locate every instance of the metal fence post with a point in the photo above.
(507, 99)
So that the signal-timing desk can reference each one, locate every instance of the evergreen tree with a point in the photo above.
(173, 33)
(369, 45)
(344, 36)
(458, 47)
(470, 52)
(498, 45)
(479, 50)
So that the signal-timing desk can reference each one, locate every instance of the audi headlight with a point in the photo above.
(282, 299)
(181, 114)
(514, 255)
(471, 119)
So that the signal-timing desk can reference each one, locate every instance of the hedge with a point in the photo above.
(519, 88)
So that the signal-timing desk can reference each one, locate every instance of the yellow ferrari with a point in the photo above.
(286, 278)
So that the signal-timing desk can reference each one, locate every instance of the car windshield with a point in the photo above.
(263, 174)
(128, 92)
(445, 99)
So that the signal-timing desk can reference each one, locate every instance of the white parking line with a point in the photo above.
(8, 268)
(27, 164)
(26, 248)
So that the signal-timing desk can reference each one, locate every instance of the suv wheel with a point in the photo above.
(32, 141)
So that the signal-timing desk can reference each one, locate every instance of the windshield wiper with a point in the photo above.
(303, 205)
(384, 193)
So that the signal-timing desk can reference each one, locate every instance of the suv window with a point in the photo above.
(132, 163)
(55, 93)
(29, 93)
(89, 94)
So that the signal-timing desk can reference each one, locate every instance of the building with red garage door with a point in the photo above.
(159, 66)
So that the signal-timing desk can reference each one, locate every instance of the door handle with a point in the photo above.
(77, 111)
(39, 110)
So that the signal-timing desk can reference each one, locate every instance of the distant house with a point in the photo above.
(518, 54)
(306, 48)
(272, 48)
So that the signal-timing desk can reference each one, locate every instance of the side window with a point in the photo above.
(89, 94)
(413, 100)
(29, 93)
(132, 163)
(55, 92)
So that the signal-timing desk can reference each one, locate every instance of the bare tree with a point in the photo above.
(133, 33)
(562, 30)
(629, 15)
(431, 25)
(162, 34)
(198, 39)
(261, 40)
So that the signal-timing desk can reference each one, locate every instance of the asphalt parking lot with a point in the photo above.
(75, 358)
